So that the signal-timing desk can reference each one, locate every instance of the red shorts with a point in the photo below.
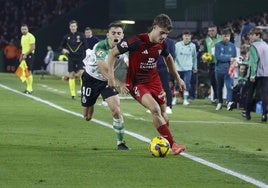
(156, 90)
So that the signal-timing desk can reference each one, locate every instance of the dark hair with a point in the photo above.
(226, 31)
(72, 22)
(256, 31)
(186, 32)
(163, 21)
(87, 28)
(115, 24)
(212, 25)
(24, 25)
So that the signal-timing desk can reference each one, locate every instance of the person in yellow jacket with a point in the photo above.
(27, 55)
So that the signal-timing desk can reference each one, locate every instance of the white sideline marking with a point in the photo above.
(144, 139)
(197, 122)
(218, 122)
(52, 89)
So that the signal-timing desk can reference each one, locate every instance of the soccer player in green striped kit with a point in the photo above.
(94, 81)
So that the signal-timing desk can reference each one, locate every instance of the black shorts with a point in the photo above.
(75, 64)
(29, 61)
(92, 88)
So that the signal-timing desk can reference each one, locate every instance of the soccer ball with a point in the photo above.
(207, 57)
(159, 146)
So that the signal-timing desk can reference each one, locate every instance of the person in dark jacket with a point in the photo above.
(74, 46)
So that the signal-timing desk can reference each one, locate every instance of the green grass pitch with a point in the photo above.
(41, 146)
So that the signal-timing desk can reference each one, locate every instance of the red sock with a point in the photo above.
(165, 132)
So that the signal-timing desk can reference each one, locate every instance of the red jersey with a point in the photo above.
(143, 57)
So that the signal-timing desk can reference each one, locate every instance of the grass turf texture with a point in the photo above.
(43, 147)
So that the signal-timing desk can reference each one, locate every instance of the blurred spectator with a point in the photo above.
(225, 53)
(186, 63)
(209, 46)
(247, 25)
(3, 42)
(49, 57)
(165, 75)
(90, 38)
(258, 56)
(192, 92)
(240, 90)
(235, 27)
(35, 13)
(11, 53)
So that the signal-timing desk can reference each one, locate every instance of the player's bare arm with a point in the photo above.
(103, 67)
(114, 52)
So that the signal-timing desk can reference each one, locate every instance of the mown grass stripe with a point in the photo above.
(144, 139)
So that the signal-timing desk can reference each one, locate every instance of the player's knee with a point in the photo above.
(155, 110)
(116, 112)
(72, 75)
(117, 115)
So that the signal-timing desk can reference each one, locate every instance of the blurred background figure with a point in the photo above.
(225, 54)
(27, 56)
(186, 63)
(165, 75)
(90, 38)
(49, 57)
(258, 78)
(11, 54)
(209, 46)
(74, 45)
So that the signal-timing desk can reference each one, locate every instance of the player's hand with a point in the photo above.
(181, 84)
(252, 79)
(111, 82)
(23, 57)
(233, 60)
(65, 51)
(124, 89)
(162, 95)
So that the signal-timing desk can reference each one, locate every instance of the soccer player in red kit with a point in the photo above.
(143, 81)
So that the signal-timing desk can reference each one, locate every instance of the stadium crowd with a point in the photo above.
(38, 14)
(239, 36)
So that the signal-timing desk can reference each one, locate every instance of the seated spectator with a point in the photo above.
(241, 88)
(90, 38)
